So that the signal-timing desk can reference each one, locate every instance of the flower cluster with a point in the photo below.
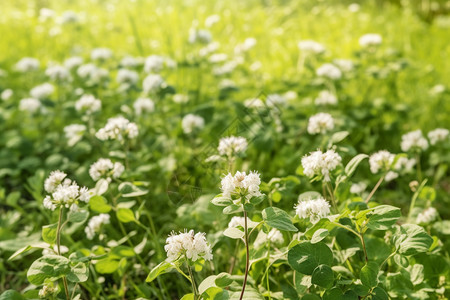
(370, 40)
(241, 184)
(326, 98)
(92, 74)
(438, 135)
(274, 236)
(58, 73)
(143, 105)
(192, 122)
(318, 163)
(64, 192)
(74, 133)
(240, 221)
(117, 128)
(105, 168)
(427, 216)
(320, 123)
(31, 105)
(153, 83)
(189, 245)
(94, 225)
(232, 145)
(381, 161)
(414, 140)
(329, 71)
(88, 104)
(27, 64)
(314, 209)
(42, 91)
(310, 46)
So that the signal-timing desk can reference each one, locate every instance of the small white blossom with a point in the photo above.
(326, 98)
(180, 98)
(125, 76)
(211, 20)
(240, 221)
(42, 91)
(73, 62)
(27, 64)
(320, 123)
(329, 71)
(74, 133)
(314, 209)
(143, 105)
(346, 65)
(320, 164)
(88, 104)
(248, 44)
(189, 245)
(437, 89)
(358, 188)
(232, 145)
(310, 46)
(46, 14)
(391, 175)
(105, 168)
(274, 236)
(201, 36)
(92, 74)
(68, 17)
(438, 135)
(275, 100)
(64, 192)
(6, 94)
(130, 62)
(55, 179)
(95, 224)
(381, 161)
(154, 64)
(254, 103)
(31, 105)
(49, 251)
(153, 83)
(241, 183)
(404, 164)
(427, 216)
(413, 140)
(58, 73)
(192, 122)
(118, 128)
(370, 40)
(101, 54)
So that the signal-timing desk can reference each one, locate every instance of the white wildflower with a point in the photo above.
(105, 168)
(143, 105)
(414, 140)
(241, 184)
(381, 161)
(92, 74)
(31, 105)
(358, 188)
(125, 76)
(64, 192)
(188, 245)
(326, 98)
(130, 62)
(154, 64)
(437, 89)
(320, 164)
(55, 179)
(180, 98)
(95, 224)
(320, 123)
(232, 145)
(329, 71)
(58, 73)
(240, 221)
(314, 209)
(427, 216)
(201, 36)
(346, 65)
(101, 54)
(27, 64)
(310, 46)
(42, 91)
(74, 133)
(370, 40)
(118, 128)
(275, 100)
(6, 94)
(438, 135)
(153, 83)
(88, 104)
(68, 17)
(211, 20)
(248, 44)
(192, 122)
(391, 175)
(274, 236)
(73, 62)
(46, 14)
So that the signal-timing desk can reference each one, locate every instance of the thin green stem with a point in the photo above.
(374, 189)
(58, 245)
(194, 286)
(414, 198)
(333, 200)
(247, 261)
(359, 235)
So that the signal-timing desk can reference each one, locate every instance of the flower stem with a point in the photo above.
(194, 287)
(333, 200)
(247, 261)
(374, 189)
(414, 198)
(58, 245)
(419, 168)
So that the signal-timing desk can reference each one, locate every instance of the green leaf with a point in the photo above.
(379, 294)
(129, 190)
(417, 274)
(78, 216)
(125, 215)
(221, 201)
(189, 296)
(11, 295)
(338, 136)
(257, 200)
(351, 166)
(323, 276)
(278, 218)
(369, 274)
(207, 283)
(99, 204)
(162, 268)
(401, 260)
(78, 273)
(411, 239)
(49, 233)
(223, 280)
(106, 266)
(101, 186)
(319, 235)
(232, 209)
(49, 266)
(215, 293)
(305, 257)
(383, 217)
(233, 233)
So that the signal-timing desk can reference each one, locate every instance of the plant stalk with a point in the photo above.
(247, 261)
(58, 245)
(374, 189)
